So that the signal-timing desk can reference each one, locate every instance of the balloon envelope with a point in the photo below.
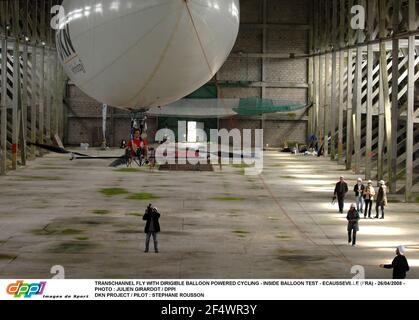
(145, 53)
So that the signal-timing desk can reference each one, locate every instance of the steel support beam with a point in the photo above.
(333, 107)
(34, 100)
(321, 99)
(42, 95)
(349, 119)
(394, 101)
(357, 102)
(341, 105)
(15, 103)
(3, 105)
(410, 103)
(24, 106)
(368, 151)
(327, 102)
(381, 133)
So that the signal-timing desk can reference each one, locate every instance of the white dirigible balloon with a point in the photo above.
(145, 53)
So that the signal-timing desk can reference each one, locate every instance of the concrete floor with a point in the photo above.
(215, 224)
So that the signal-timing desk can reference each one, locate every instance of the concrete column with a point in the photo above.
(410, 102)
(385, 85)
(392, 155)
(349, 120)
(15, 102)
(34, 99)
(317, 94)
(327, 102)
(311, 95)
(357, 112)
(41, 96)
(333, 107)
(321, 98)
(3, 105)
(47, 92)
(24, 105)
(341, 104)
(410, 118)
(381, 132)
(368, 151)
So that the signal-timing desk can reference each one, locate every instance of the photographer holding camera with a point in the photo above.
(152, 227)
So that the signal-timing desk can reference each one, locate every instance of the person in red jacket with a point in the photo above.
(138, 144)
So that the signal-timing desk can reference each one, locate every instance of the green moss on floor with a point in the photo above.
(241, 166)
(51, 231)
(298, 259)
(128, 170)
(68, 232)
(50, 168)
(92, 223)
(282, 237)
(7, 257)
(417, 199)
(82, 238)
(110, 192)
(394, 201)
(72, 247)
(278, 165)
(228, 199)
(241, 233)
(135, 214)
(101, 211)
(142, 196)
(38, 178)
(128, 231)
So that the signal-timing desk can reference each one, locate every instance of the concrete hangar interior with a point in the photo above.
(332, 84)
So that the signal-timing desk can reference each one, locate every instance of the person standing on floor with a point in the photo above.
(353, 224)
(341, 190)
(399, 265)
(381, 201)
(152, 227)
(369, 194)
(359, 195)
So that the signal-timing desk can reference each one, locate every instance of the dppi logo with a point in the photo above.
(27, 290)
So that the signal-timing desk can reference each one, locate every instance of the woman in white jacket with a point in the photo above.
(369, 194)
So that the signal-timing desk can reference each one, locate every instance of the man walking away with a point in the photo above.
(152, 227)
(381, 199)
(399, 265)
(353, 224)
(359, 195)
(369, 194)
(341, 190)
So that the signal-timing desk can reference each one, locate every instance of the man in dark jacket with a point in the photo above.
(152, 227)
(399, 265)
(359, 195)
(353, 224)
(341, 190)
